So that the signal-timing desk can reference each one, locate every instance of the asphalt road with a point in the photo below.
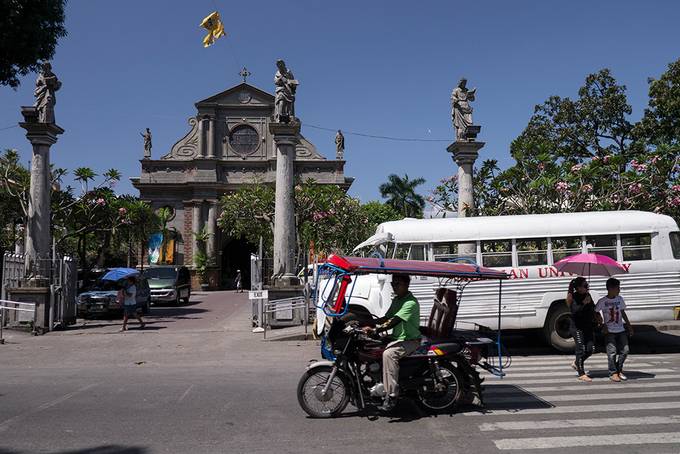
(198, 381)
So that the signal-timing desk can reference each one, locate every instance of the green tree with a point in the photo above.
(486, 192)
(249, 213)
(376, 213)
(324, 215)
(29, 31)
(14, 184)
(661, 122)
(402, 196)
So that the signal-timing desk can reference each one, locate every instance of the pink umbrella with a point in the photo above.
(590, 264)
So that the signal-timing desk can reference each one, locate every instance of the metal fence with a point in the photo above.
(62, 272)
(12, 272)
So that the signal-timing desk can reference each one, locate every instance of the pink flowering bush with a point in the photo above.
(562, 186)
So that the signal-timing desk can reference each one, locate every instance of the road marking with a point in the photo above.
(185, 394)
(510, 375)
(573, 397)
(588, 440)
(496, 389)
(572, 379)
(569, 358)
(580, 409)
(567, 367)
(5, 424)
(587, 423)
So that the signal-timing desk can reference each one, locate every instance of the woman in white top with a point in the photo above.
(130, 304)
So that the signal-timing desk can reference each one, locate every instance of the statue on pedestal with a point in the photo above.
(45, 87)
(147, 143)
(461, 111)
(339, 146)
(284, 101)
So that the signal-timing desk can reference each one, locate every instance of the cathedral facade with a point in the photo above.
(228, 145)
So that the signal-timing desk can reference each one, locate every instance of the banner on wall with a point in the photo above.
(169, 252)
(155, 243)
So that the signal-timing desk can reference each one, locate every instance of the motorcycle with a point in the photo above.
(439, 375)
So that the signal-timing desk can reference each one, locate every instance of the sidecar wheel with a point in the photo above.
(447, 399)
(311, 398)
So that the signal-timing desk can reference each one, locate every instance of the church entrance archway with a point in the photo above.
(236, 256)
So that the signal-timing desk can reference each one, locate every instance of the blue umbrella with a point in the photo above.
(116, 274)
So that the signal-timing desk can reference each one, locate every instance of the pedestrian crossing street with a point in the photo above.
(540, 405)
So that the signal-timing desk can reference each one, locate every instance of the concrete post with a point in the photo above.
(465, 154)
(38, 238)
(196, 227)
(286, 137)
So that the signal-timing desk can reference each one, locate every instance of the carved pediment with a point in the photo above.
(306, 150)
(240, 95)
(187, 147)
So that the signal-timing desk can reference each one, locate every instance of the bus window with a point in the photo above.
(532, 252)
(497, 253)
(603, 245)
(402, 251)
(417, 252)
(636, 247)
(443, 252)
(675, 244)
(564, 247)
(390, 250)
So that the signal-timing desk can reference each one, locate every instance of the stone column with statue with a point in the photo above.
(41, 131)
(286, 132)
(465, 150)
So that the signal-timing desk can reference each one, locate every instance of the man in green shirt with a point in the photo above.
(403, 318)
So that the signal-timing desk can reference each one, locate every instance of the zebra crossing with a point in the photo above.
(540, 405)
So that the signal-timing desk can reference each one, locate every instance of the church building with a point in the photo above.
(228, 145)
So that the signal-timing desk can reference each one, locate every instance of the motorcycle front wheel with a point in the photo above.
(312, 398)
(443, 399)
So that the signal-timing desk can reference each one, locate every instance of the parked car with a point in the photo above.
(169, 284)
(100, 298)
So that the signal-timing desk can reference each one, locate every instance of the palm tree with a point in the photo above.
(402, 196)
(84, 175)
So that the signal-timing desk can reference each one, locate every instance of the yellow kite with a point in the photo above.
(215, 28)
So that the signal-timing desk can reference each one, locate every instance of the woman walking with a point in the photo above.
(582, 318)
(130, 308)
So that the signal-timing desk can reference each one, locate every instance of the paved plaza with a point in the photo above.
(196, 380)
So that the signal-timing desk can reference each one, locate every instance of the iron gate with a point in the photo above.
(63, 273)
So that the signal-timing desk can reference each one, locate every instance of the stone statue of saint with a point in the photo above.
(45, 87)
(147, 143)
(339, 146)
(284, 100)
(461, 111)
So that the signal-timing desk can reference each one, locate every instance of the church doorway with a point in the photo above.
(236, 256)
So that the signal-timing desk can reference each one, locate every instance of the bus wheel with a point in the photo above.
(556, 329)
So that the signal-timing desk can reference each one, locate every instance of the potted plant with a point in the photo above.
(201, 261)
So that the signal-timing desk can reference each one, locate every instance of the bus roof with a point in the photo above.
(525, 226)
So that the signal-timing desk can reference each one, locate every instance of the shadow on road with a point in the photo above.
(109, 449)
(646, 340)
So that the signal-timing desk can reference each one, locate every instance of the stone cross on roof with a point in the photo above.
(244, 73)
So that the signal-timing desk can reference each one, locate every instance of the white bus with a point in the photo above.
(526, 247)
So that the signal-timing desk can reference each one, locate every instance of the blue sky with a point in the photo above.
(377, 67)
